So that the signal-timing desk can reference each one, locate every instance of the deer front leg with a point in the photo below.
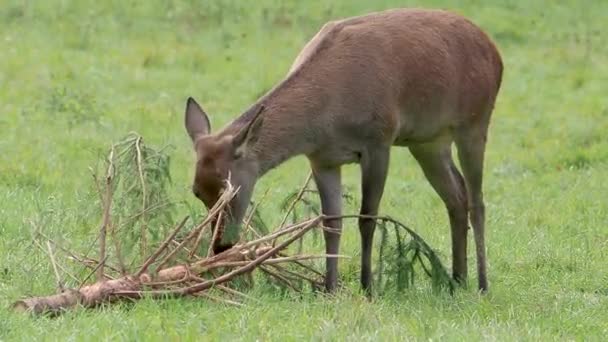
(329, 184)
(374, 167)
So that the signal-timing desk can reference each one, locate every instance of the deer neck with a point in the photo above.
(291, 116)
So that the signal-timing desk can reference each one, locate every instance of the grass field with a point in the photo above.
(78, 75)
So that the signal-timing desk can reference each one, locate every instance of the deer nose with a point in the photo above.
(196, 193)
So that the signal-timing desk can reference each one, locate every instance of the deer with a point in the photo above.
(425, 79)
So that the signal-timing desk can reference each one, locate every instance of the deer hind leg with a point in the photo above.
(471, 148)
(436, 162)
(374, 167)
(329, 185)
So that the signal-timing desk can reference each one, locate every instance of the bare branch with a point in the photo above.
(197, 241)
(231, 291)
(296, 199)
(54, 263)
(118, 251)
(161, 248)
(219, 206)
(280, 278)
(220, 300)
(95, 269)
(216, 234)
(247, 222)
(106, 214)
(144, 197)
(187, 250)
(83, 260)
(296, 275)
(280, 232)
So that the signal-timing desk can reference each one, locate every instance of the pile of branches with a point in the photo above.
(134, 208)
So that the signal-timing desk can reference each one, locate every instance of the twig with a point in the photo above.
(54, 264)
(304, 257)
(197, 241)
(308, 268)
(247, 223)
(296, 199)
(271, 261)
(226, 289)
(65, 271)
(37, 244)
(161, 248)
(98, 187)
(384, 236)
(294, 274)
(229, 290)
(99, 265)
(426, 270)
(219, 205)
(303, 265)
(143, 240)
(216, 233)
(85, 261)
(378, 218)
(219, 300)
(279, 277)
(277, 233)
(182, 244)
(149, 209)
(249, 227)
(106, 215)
(177, 243)
(117, 247)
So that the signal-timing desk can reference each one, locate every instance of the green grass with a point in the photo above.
(78, 75)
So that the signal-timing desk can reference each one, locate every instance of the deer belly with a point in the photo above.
(334, 155)
(421, 127)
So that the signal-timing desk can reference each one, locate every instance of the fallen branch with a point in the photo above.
(138, 285)
(175, 268)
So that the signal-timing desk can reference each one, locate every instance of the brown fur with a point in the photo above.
(404, 77)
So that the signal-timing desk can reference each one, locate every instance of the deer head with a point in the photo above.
(221, 157)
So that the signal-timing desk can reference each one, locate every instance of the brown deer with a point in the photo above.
(405, 77)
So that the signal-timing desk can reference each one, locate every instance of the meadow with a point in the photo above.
(77, 75)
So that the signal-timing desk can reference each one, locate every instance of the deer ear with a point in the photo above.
(251, 131)
(196, 121)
